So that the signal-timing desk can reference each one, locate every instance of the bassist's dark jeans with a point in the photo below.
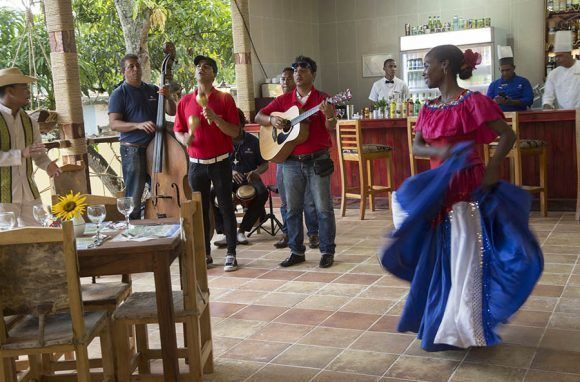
(134, 166)
(201, 177)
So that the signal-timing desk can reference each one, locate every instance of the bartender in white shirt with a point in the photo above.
(563, 83)
(20, 145)
(389, 86)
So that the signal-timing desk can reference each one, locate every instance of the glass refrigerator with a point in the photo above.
(481, 40)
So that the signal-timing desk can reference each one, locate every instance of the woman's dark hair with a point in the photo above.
(454, 56)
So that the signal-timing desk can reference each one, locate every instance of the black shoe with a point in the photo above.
(282, 243)
(208, 260)
(314, 241)
(293, 260)
(326, 261)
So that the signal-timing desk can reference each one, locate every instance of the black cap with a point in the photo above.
(209, 60)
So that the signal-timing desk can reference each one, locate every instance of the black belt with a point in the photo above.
(308, 157)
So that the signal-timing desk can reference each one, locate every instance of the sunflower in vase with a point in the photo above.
(71, 207)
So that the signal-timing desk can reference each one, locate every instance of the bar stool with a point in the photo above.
(351, 149)
(524, 147)
(411, 122)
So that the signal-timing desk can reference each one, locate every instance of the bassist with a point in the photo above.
(308, 168)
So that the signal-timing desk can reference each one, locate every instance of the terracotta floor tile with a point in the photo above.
(366, 305)
(227, 282)
(258, 351)
(355, 259)
(558, 339)
(571, 292)
(557, 360)
(574, 280)
(241, 296)
(338, 267)
(543, 376)
(349, 290)
(333, 376)
(369, 268)
(469, 372)
(304, 316)
(227, 370)
(504, 355)
(561, 249)
(223, 344)
(301, 287)
(554, 279)
(281, 299)
(259, 313)
(307, 356)
(520, 335)
(349, 320)
(278, 332)
(454, 355)
(277, 274)
(386, 324)
(424, 369)
(543, 304)
(272, 373)
(558, 268)
(392, 281)
(531, 318)
(250, 253)
(224, 309)
(560, 258)
(323, 302)
(353, 278)
(383, 342)
(547, 290)
(318, 277)
(363, 362)
(247, 272)
(566, 321)
(385, 293)
(237, 328)
(262, 285)
(568, 305)
(335, 337)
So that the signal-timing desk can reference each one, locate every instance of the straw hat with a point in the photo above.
(11, 76)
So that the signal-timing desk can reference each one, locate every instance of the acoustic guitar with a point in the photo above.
(277, 144)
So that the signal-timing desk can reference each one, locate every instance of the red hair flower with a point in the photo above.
(471, 59)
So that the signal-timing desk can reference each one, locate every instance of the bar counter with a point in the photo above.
(557, 127)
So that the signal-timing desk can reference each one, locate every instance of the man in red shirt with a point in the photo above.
(309, 166)
(207, 132)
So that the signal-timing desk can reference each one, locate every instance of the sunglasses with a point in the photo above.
(302, 65)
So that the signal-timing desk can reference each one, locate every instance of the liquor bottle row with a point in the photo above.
(434, 25)
(563, 5)
(395, 108)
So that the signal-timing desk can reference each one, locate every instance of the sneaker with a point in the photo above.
(230, 264)
(282, 243)
(314, 241)
(326, 260)
(221, 243)
(242, 239)
(293, 260)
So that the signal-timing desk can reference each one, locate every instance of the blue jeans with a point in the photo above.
(309, 208)
(300, 179)
(134, 166)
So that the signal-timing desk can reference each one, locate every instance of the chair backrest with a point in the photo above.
(411, 123)
(194, 275)
(109, 202)
(73, 178)
(512, 119)
(349, 139)
(39, 274)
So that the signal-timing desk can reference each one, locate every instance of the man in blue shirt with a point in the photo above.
(133, 113)
(511, 92)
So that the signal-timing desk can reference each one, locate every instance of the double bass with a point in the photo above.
(167, 161)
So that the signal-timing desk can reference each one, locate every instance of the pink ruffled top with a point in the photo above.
(464, 119)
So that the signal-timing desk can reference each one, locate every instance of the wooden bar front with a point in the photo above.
(557, 127)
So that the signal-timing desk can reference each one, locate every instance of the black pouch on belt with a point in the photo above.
(323, 167)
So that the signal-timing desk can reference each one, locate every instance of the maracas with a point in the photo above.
(192, 123)
(201, 99)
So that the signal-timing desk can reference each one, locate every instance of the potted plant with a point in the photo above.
(381, 105)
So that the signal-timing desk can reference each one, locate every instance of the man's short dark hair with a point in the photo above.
(128, 56)
(3, 89)
(287, 69)
(387, 61)
(307, 60)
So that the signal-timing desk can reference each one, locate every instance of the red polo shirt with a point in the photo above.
(319, 138)
(209, 140)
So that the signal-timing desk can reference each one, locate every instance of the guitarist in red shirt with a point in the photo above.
(308, 168)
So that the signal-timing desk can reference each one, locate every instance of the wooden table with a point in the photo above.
(126, 257)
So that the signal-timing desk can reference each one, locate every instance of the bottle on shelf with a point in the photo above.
(392, 108)
(417, 105)
(455, 23)
(410, 105)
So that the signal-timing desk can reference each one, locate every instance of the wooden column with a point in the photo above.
(578, 163)
(243, 57)
(67, 87)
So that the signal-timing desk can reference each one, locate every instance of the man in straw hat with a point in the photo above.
(20, 145)
(563, 83)
(511, 92)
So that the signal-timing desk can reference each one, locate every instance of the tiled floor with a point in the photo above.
(338, 324)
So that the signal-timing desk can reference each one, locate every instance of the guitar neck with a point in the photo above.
(304, 115)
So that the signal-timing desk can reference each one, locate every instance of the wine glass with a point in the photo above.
(125, 206)
(340, 113)
(97, 214)
(42, 214)
(7, 220)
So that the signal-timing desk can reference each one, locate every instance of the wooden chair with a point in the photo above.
(411, 123)
(107, 295)
(73, 178)
(521, 148)
(351, 149)
(191, 306)
(40, 282)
